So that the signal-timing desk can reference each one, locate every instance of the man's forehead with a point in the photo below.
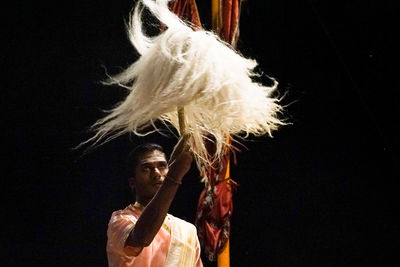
(152, 157)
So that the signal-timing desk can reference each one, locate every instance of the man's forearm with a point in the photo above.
(153, 215)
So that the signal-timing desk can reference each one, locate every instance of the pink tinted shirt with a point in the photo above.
(121, 224)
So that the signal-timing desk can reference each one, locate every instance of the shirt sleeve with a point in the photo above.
(119, 228)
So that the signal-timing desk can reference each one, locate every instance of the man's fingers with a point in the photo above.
(181, 147)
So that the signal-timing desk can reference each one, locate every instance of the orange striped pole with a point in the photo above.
(225, 19)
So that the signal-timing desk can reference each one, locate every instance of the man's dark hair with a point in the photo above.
(137, 152)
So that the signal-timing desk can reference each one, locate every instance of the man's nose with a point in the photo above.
(157, 171)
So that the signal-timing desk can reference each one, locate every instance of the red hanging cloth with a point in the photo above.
(215, 204)
(186, 10)
(215, 207)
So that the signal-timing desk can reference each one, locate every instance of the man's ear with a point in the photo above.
(131, 183)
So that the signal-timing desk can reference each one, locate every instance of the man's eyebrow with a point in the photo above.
(156, 161)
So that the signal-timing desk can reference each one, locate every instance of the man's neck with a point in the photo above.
(142, 201)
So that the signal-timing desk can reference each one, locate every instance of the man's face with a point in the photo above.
(149, 174)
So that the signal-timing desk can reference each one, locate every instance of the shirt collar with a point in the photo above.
(138, 206)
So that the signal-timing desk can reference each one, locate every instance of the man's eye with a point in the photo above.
(163, 167)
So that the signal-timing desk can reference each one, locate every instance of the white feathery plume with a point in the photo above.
(194, 69)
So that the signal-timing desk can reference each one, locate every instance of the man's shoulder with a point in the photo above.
(128, 211)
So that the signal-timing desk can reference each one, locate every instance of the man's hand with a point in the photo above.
(180, 160)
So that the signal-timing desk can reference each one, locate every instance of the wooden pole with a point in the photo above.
(181, 119)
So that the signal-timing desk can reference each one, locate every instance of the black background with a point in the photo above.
(322, 192)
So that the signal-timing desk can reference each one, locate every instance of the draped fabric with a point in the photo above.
(215, 205)
(176, 243)
(226, 22)
(187, 10)
(184, 247)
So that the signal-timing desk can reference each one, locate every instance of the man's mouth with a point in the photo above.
(158, 183)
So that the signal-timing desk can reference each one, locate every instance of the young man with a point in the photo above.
(144, 234)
